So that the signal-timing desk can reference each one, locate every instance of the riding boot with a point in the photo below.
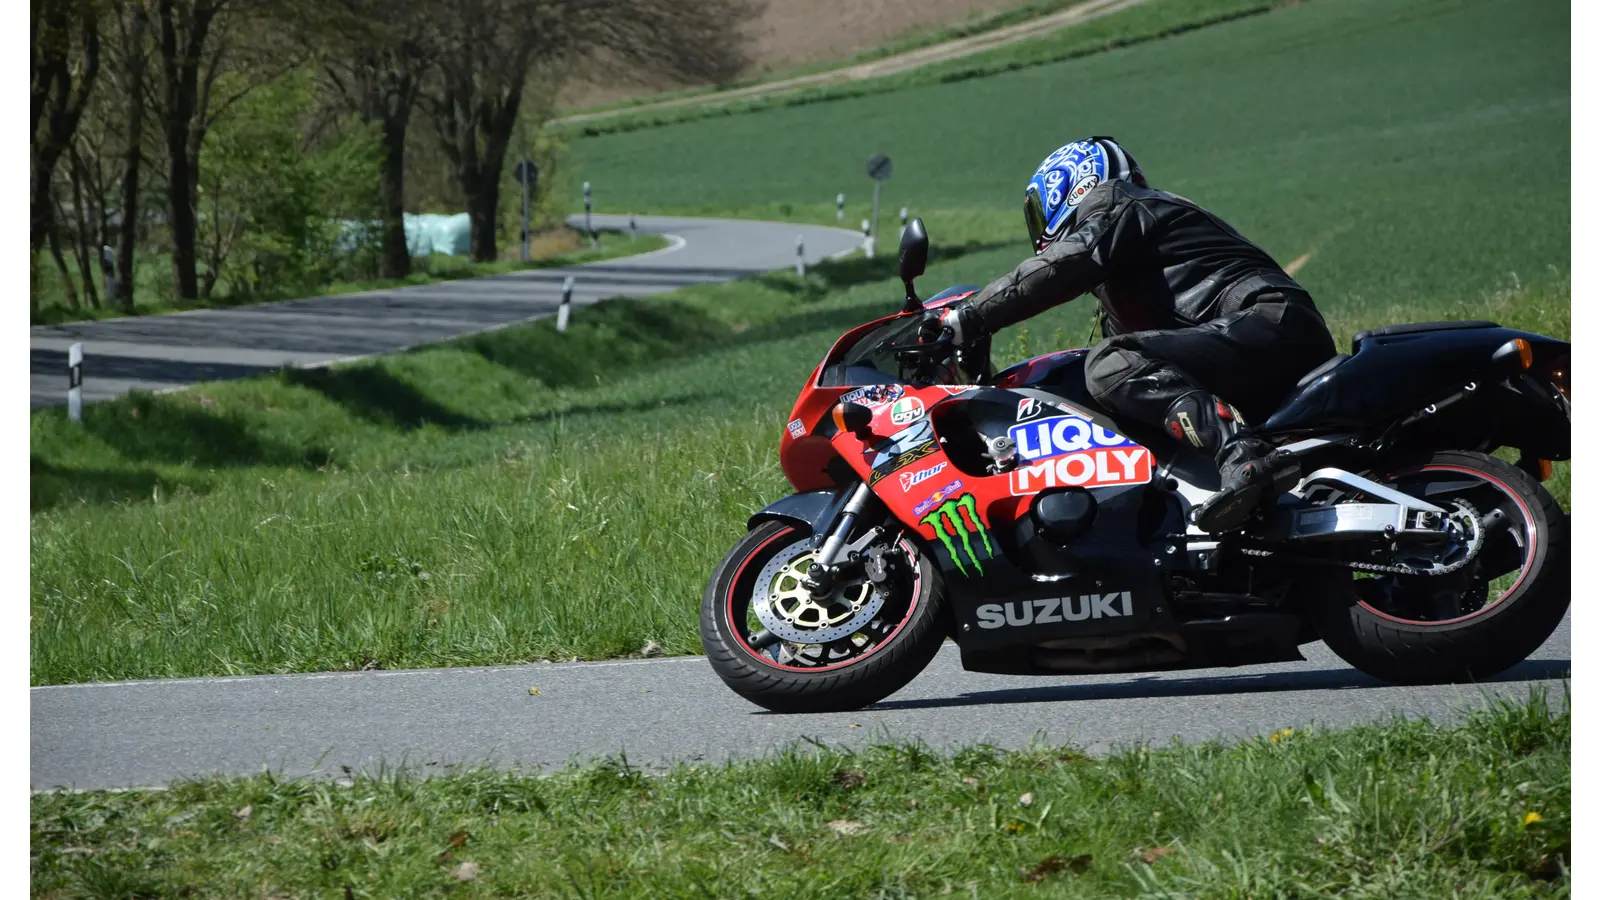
(1243, 460)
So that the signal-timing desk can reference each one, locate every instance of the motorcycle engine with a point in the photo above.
(1063, 514)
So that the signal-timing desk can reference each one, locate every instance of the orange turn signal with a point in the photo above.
(1524, 353)
(1515, 354)
(1545, 469)
(852, 417)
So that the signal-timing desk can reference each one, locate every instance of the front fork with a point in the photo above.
(841, 558)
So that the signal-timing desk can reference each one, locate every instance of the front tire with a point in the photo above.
(852, 671)
(1475, 622)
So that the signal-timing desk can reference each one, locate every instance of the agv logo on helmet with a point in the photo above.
(1065, 178)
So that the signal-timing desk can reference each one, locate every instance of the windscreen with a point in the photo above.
(870, 361)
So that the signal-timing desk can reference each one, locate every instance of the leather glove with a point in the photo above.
(965, 326)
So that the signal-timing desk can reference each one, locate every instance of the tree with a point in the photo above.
(197, 45)
(184, 26)
(376, 54)
(64, 62)
(133, 52)
(490, 48)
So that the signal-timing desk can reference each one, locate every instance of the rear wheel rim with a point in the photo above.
(872, 638)
(1499, 570)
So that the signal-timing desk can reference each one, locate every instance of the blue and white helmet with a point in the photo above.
(1065, 178)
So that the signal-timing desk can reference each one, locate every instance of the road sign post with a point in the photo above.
(75, 383)
(879, 168)
(527, 173)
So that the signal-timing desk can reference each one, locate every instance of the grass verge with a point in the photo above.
(565, 249)
(1405, 809)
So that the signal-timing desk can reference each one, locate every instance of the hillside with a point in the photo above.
(791, 34)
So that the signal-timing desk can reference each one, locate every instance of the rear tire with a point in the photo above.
(1482, 642)
(920, 622)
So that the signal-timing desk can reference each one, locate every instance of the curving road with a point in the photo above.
(147, 733)
(154, 353)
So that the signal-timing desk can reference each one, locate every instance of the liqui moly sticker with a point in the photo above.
(797, 428)
(939, 496)
(1109, 467)
(1056, 435)
(905, 411)
(874, 395)
(908, 480)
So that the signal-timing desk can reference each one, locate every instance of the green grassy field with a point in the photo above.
(525, 495)
(1366, 132)
(1398, 811)
(154, 289)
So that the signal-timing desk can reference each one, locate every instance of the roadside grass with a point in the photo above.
(1402, 809)
(1147, 21)
(154, 288)
(528, 495)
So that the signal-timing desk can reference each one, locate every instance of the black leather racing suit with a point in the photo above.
(1188, 302)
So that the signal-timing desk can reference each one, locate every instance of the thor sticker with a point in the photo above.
(1090, 468)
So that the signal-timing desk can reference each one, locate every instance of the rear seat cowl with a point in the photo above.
(1414, 328)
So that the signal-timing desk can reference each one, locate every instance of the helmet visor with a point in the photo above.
(1033, 212)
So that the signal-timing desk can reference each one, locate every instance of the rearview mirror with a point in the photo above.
(913, 260)
(913, 251)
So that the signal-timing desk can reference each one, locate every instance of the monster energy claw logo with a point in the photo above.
(949, 525)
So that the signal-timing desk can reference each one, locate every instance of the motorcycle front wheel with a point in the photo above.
(779, 648)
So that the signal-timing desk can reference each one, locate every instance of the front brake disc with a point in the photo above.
(788, 610)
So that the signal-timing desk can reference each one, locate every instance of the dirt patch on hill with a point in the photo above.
(792, 33)
(900, 62)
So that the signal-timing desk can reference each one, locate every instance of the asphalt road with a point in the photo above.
(148, 733)
(156, 353)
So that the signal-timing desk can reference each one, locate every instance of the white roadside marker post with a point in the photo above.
(866, 237)
(800, 256)
(633, 228)
(75, 383)
(565, 312)
(588, 217)
(904, 212)
(108, 274)
(840, 200)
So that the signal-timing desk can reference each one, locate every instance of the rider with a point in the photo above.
(1205, 332)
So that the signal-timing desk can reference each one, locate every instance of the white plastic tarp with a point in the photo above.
(432, 233)
(426, 234)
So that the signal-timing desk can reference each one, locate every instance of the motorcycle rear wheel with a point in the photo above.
(852, 671)
(1470, 624)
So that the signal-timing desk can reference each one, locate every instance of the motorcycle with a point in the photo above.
(936, 497)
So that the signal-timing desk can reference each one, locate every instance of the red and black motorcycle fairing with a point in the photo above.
(924, 461)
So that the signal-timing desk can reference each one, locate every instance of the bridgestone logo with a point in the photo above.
(1018, 613)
